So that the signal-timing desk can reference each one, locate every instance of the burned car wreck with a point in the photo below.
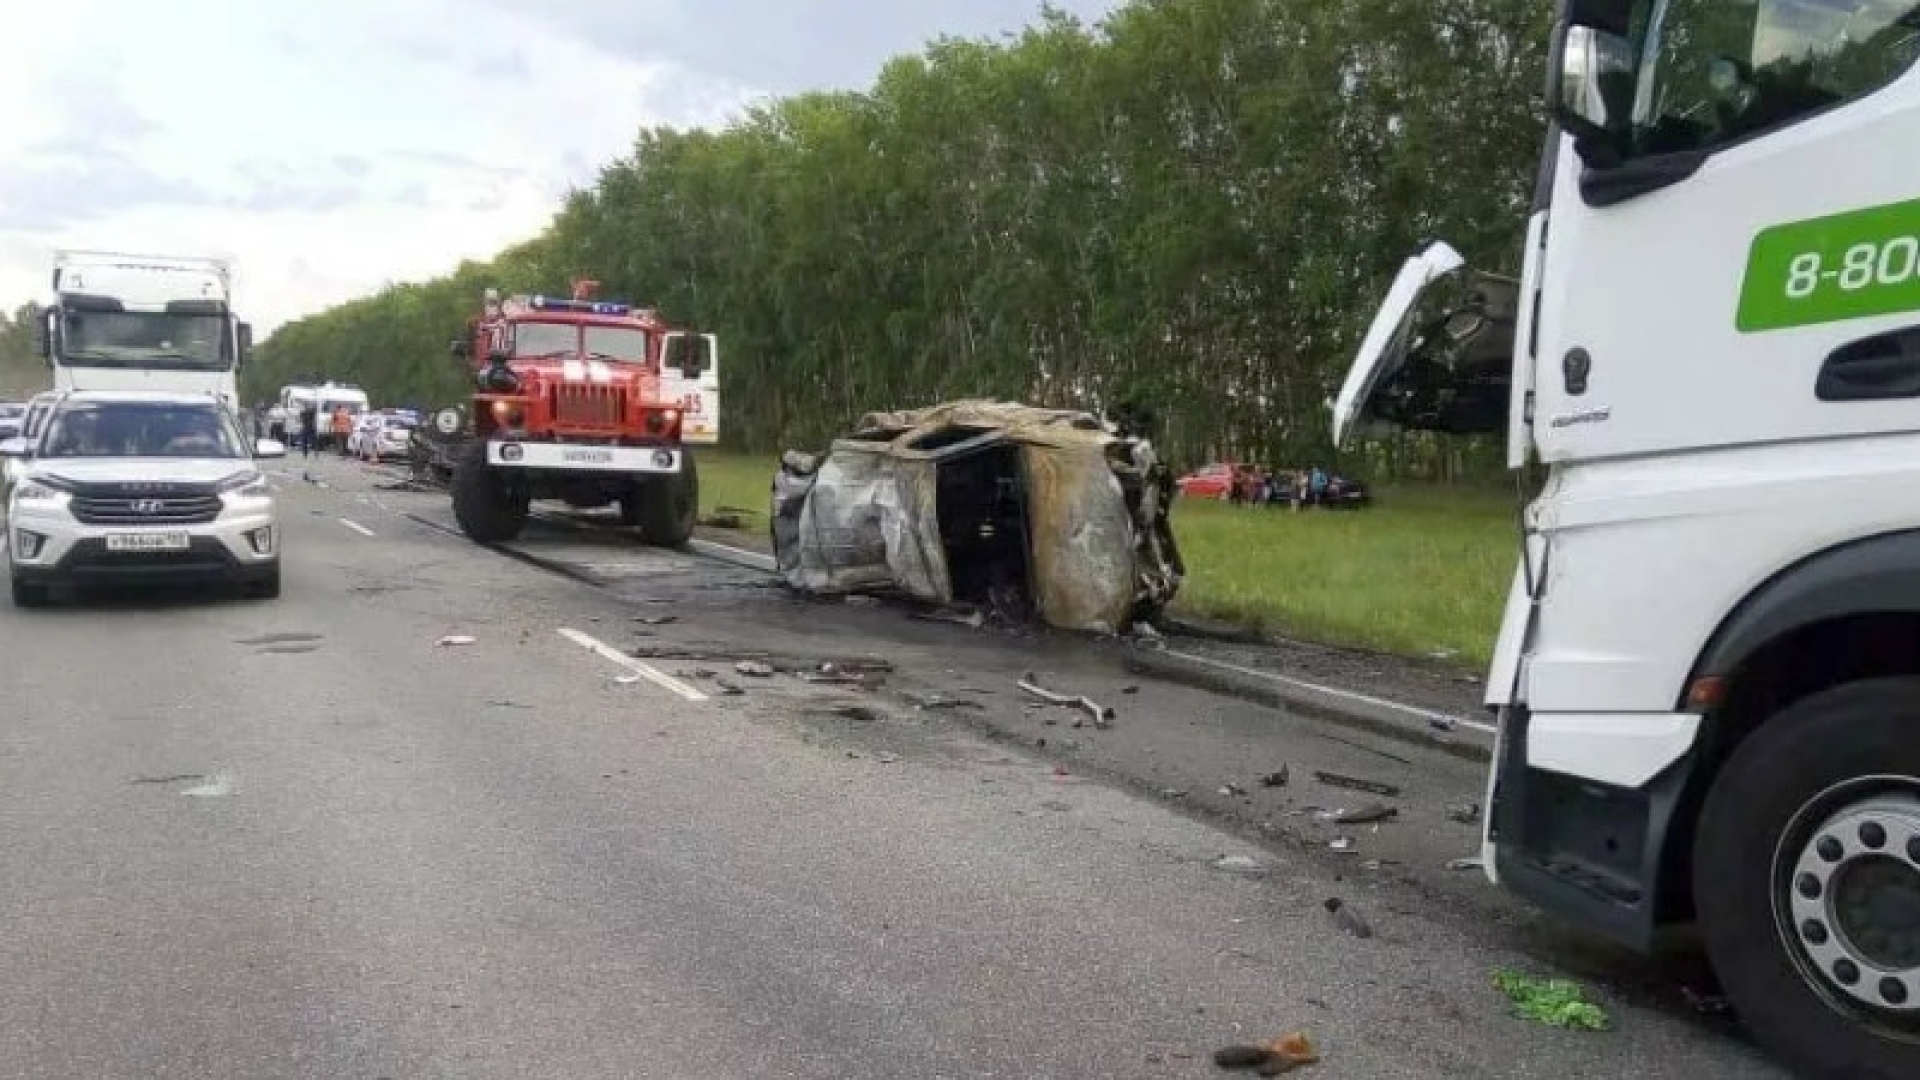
(1021, 511)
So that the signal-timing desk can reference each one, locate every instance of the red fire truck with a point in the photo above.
(584, 401)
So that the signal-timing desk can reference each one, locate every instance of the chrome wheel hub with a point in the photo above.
(1849, 901)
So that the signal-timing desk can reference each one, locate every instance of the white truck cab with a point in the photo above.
(1708, 671)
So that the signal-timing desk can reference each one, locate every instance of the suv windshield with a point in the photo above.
(92, 429)
(1711, 72)
(144, 339)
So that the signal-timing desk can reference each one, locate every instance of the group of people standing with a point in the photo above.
(308, 429)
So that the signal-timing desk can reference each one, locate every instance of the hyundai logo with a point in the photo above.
(148, 506)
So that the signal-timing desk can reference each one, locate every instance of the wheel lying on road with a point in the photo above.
(667, 506)
(29, 594)
(1807, 877)
(489, 507)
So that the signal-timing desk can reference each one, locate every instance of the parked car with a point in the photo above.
(1214, 481)
(383, 435)
(140, 485)
(13, 416)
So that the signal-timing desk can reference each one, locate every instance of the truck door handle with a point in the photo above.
(1878, 368)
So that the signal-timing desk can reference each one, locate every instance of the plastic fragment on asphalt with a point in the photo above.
(456, 639)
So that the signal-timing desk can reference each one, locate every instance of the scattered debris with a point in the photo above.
(655, 620)
(1341, 843)
(626, 680)
(1102, 715)
(1277, 778)
(1366, 815)
(1233, 791)
(1471, 862)
(1283, 1054)
(456, 639)
(1346, 918)
(214, 788)
(508, 705)
(1442, 723)
(1244, 865)
(727, 688)
(278, 639)
(1173, 793)
(886, 759)
(972, 619)
(936, 701)
(181, 778)
(1361, 746)
(754, 668)
(1465, 813)
(1355, 783)
(1129, 689)
(1553, 1002)
(859, 714)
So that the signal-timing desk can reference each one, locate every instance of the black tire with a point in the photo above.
(486, 503)
(266, 588)
(30, 594)
(669, 506)
(1859, 730)
(633, 502)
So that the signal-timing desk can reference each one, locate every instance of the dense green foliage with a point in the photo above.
(23, 372)
(1196, 204)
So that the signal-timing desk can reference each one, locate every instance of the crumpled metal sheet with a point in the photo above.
(864, 517)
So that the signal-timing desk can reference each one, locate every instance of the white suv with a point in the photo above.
(137, 486)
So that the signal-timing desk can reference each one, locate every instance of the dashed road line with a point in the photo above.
(356, 526)
(632, 664)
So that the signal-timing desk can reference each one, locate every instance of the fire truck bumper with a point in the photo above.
(543, 455)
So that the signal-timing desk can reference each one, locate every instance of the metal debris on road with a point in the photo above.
(754, 668)
(1284, 1054)
(1277, 778)
(938, 702)
(456, 639)
(886, 759)
(1465, 813)
(1173, 793)
(1471, 862)
(1102, 715)
(655, 620)
(1342, 843)
(972, 619)
(859, 714)
(1365, 815)
(727, 688)
(1346, 918)
(1355, 783)
(1233, 791)
(180, 778)
(1243, 865)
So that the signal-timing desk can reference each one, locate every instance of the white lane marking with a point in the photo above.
(636, 666)
(356, 527)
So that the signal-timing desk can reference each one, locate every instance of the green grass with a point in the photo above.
(1419, 572)
(1423, 571)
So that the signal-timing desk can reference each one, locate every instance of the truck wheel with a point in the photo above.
(669, 506)
(486, 504)
(1806, 870)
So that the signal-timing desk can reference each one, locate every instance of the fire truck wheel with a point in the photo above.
(485, 503)
(1806, 872)
(669, 506)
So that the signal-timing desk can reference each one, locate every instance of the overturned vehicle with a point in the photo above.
(1021, 511)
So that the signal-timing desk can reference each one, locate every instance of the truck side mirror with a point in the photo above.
(1590, 75)
(245, 345)
(47, 320)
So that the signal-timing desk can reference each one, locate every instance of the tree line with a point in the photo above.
(1195, 204)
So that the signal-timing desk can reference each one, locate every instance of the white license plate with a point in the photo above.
(147, 542)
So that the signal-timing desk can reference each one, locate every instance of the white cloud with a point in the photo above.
(330, 148)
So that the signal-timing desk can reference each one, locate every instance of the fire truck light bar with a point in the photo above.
(591, 307)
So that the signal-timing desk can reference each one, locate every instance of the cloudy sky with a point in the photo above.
(329, 148)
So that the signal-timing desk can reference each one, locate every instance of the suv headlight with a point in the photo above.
(246, 485)
(36, 491)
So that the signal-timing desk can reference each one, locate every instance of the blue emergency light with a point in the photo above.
(591, 307)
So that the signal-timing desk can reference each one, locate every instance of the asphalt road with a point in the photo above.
(302, 838)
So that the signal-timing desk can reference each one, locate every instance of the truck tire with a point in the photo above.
(489, 507)
(669, 506)
(1806, 871)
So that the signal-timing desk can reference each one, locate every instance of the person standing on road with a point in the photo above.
(309, 429)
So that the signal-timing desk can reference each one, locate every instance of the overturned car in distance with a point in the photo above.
(1023, 511)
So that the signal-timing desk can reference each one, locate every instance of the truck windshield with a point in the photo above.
(142, 339)
(1711, 72)
(544, 338)
(617, 343)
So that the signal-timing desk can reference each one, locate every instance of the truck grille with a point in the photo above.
(189, 510)
(596, 407)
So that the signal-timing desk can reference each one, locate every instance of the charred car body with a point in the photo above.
(1025, 511)
(581, 401)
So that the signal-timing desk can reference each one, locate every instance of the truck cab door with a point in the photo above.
(1438, 356)
(690, 376)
